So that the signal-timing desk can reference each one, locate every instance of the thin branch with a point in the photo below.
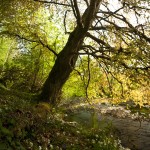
(52, 2)
(78, 16)
(99, 28)
(134, 68)
(66, 32)
(106, 73)
(110, 13)
(73, 9)
(47, 46)
(89, 77)
(18, 36)
(87, 3)
(120, 82)
(30, 40)
(99, 41)
(137, 32)
(94, 54)
(65, 21)
(136, 7)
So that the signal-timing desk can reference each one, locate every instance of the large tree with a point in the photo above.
(98, 26)
(67, 58)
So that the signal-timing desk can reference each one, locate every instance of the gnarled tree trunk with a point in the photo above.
(62, 68)
(67, 58)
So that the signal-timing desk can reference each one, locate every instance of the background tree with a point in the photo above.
(26, 41)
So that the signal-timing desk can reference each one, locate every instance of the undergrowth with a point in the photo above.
(26, 125)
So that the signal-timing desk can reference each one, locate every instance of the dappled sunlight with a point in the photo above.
(74, 74)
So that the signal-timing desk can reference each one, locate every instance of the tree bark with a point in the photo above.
(67, 58)
(62, 68)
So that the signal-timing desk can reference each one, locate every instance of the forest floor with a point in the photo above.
(28, 125)
(132, 125)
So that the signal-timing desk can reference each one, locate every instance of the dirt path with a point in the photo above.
(132, 134)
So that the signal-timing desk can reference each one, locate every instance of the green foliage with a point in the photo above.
(26, 59)
(29, 30)
(74, 87)
(24, 126)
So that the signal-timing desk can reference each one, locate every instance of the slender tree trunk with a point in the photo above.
(67, 58)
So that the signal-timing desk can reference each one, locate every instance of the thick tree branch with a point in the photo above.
(90, 13)
(77, 12)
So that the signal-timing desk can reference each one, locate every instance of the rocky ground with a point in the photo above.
(132, 128)
(133, 134)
